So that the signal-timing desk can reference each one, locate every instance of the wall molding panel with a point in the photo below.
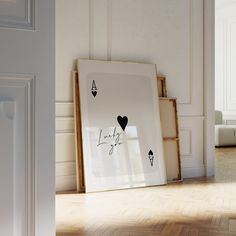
(191, 145)
(17, 14)
(186, 135)
(64, 109)
(123, 29)
(108, 32)
(64, 125)
(65, 154)
(17, 101)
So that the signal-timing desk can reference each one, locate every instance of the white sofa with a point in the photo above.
(225, 135)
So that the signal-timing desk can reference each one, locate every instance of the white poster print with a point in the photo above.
(121, 131)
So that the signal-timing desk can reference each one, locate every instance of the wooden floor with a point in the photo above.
(195, 207)
(225, 169)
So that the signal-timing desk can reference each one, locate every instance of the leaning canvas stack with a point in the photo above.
(170, 132)
(118, 127)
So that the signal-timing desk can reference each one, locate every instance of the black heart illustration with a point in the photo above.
(94, 93)
(123, 121)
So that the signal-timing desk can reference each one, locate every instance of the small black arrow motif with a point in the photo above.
(151, 157)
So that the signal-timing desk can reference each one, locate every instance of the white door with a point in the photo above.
(27, 118)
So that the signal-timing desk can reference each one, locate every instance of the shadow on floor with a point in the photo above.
(206, 226)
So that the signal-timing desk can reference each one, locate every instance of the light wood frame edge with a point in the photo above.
(80, 179)
(177, 132)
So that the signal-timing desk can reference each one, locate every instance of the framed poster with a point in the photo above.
(120, 121)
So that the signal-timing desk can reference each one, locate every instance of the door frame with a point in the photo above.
(209, 86)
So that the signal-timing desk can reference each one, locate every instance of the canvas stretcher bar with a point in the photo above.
(170, 131)
(161, 83)
(172, 160)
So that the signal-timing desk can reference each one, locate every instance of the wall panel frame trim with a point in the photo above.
(21, 89)
(17, 20)
(209, 86)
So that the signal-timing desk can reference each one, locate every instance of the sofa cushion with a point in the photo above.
(225, 135)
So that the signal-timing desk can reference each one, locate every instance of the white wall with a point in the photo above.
(166, 32)
(225, 48)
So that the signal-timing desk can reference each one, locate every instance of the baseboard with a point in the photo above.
(65, 183)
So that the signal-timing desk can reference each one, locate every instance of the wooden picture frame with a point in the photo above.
(80, 183)
(78, 133)
(78, 120)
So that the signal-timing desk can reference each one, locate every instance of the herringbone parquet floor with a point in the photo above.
(195, 207)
